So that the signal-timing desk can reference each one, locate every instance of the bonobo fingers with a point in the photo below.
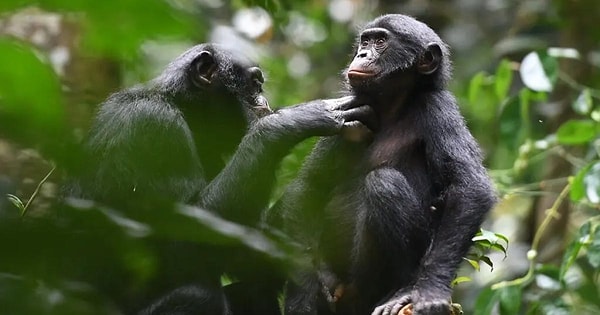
(343, 103)
(364, 114)
(393, 306)
(432, 307)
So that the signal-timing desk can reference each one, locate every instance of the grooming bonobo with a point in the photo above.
(388, 221)
(168, 141)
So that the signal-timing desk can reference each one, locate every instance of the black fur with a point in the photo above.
(168, 141)
(388, 221)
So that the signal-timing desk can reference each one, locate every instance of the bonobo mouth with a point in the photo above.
(360, 75)
(261, 107)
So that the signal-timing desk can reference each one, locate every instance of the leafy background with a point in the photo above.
(526, 76)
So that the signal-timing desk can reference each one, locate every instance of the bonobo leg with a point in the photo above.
(393, 229)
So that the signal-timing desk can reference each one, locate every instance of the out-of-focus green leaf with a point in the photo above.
(503, 79)
(560, 52)
(591, 180)
(577, 191)
(574, 248)
(511, 123)
(593, 250)
(510, 300)
(577, 132)
(583, 104)
(486, 301)
(31, 106)
(118, 28)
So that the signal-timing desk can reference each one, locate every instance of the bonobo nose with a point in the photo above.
(363, 54)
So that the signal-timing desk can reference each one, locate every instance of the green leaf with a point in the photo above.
(16, 201)
(583, 104)
(593, 250)
(577, 191)
(574, 248)
(504, 75)
(473, 263)
(591, 181)
(30, 95)
(510, 300)
(577, 132)
(534, 73)
(460, 280)
(486, 301)
(487, 261)
(475, 87)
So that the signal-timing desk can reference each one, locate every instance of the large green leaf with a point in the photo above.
(577, 132)
(31, 106)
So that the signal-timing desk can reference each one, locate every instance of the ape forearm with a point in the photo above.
(464, 211)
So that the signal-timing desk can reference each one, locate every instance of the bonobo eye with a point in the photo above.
(364, 43)
(380, 41)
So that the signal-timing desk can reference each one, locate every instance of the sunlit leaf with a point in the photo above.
(487, 261)
(460, 280)
(560, 52)
(473, 263)
(16, 201)
(583, 104)
(591, 180)
(533, 74)
(577, 132)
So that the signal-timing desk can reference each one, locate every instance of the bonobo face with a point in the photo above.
(216, 70)
(394, 51)
(211, 76)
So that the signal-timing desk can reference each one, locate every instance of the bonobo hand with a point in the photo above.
(359, 122)
(425, 302)
(346, 115)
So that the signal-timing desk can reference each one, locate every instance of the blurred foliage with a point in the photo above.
(303, 46)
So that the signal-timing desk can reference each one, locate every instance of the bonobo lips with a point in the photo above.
(359, 74)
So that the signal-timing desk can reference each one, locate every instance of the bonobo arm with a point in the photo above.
(452, 154)
(242, 190)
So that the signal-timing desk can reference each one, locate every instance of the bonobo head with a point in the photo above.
(396, 52)
(208, 75)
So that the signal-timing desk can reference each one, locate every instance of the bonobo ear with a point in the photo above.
(430, 60)
(202, 69)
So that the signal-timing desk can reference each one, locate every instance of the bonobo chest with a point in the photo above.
(397, 147)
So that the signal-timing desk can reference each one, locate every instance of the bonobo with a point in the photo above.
(387, 221)
(170, 140)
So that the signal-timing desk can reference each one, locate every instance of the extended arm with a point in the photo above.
(242, 190)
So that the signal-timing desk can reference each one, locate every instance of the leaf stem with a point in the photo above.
(551, 214)
(37, 190)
